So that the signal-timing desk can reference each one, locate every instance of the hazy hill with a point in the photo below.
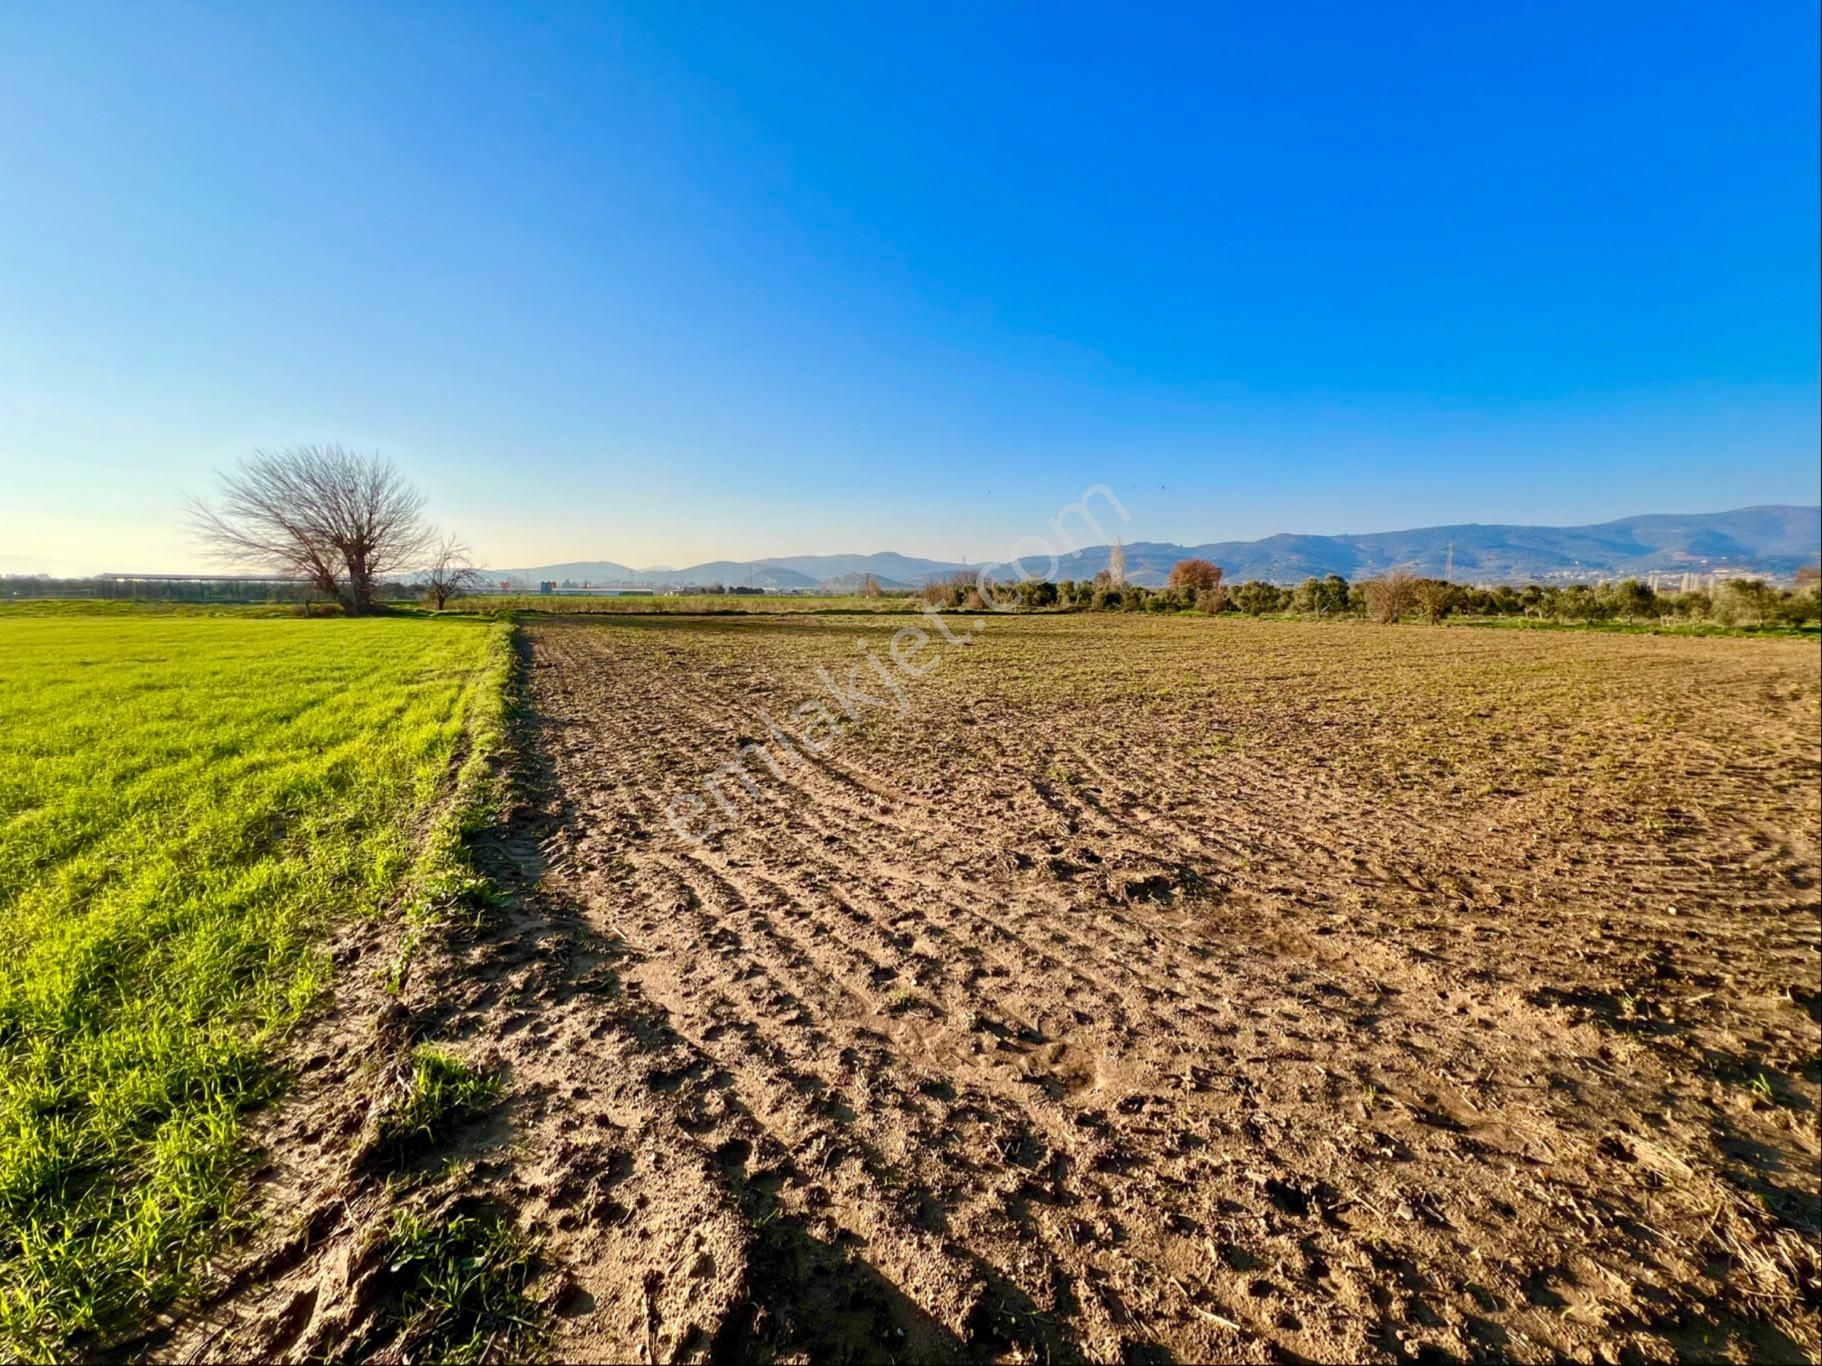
(1775, 540)
(857, 583)
(885, 565)
(1767, 540)
(593, 571)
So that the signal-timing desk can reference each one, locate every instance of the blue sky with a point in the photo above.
(661, 283)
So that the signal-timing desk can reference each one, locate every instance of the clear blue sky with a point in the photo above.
(662, 282)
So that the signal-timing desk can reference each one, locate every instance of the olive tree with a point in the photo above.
(1255, 597)
(1636, 599)
(1437, 598)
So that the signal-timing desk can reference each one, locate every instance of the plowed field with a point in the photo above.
(1172, 989)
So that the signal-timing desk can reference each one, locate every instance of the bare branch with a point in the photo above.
(1392, 595)
(449, 573)
(338, 518)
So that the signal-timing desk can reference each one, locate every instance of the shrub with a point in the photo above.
(1256, 597)
(1391, 596)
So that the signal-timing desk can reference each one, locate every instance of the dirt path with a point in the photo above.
(1161, 990)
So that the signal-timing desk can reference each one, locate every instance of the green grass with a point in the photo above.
(186, 805)
(1639, 628)
(437, 1094)
(120, 607)
(463, 1282)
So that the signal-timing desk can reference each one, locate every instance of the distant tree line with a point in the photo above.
(1396, 596)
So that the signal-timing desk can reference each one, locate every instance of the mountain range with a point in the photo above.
(1772, 540)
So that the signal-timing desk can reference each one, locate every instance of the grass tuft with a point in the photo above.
(439, 1093)
(464, 1287)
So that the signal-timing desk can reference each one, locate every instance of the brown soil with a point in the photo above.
(1146, 990)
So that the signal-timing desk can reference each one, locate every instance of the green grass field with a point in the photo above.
(186, 805)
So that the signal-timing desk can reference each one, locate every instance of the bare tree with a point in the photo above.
(448, 572)
(1391, 595)
(337, 518)
(1116, 563)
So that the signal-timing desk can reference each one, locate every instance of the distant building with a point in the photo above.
(589, 590)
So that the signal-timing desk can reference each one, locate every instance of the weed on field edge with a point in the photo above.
(443, 882)
(445, 1274)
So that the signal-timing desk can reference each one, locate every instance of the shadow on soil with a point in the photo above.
(805, 1295)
